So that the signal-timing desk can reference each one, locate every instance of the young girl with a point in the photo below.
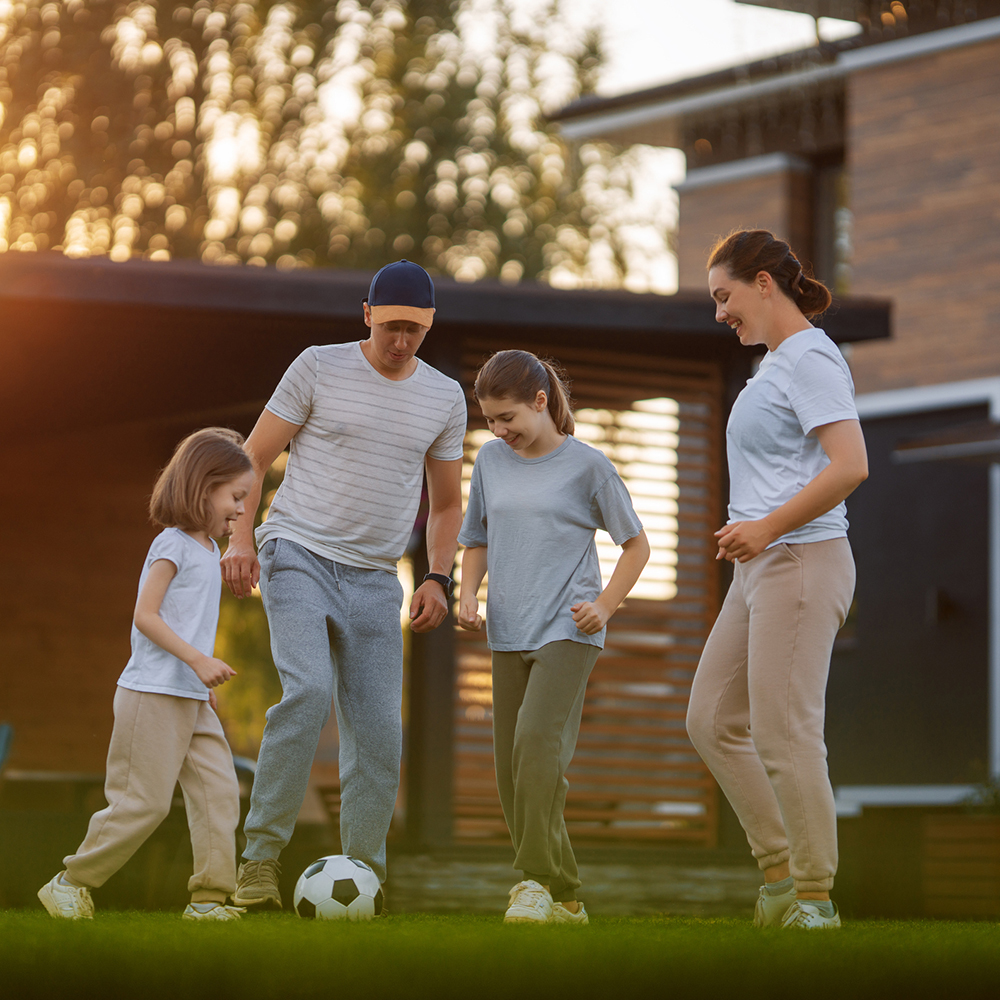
(795, 452)
(166, 729)
(538, 495)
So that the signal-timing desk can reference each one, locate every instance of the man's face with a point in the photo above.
(394, 343)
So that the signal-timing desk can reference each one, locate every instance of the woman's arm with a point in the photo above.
(844, 445)
(473, 571)
(592, 616)
(211, 671)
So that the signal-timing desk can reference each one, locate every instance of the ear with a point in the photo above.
(541, 401)
(368, 314)
(764, 283)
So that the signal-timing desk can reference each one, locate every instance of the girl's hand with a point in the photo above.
(742, 540)
(590, 617)
(213, 702)
(212, 671)
(468, 614)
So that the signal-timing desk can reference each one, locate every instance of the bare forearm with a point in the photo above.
(473, 570)
(154, 628)
(635, 555)
(443, 526)
(831, 487)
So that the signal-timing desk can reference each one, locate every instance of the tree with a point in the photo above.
(298, 133)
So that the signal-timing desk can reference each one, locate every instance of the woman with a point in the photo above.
(795, 452)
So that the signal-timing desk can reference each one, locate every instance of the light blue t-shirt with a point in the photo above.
(190, 607)
(772, 450)
(537, 517)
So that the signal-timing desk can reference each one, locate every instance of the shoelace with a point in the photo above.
(525, 895)
(264, 871)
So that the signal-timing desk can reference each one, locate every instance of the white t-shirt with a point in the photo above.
(356, 467)
(190, 607)
(772, 451)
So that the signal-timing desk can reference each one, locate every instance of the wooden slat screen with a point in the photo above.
(635, 776)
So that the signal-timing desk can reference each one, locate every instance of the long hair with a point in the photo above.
(746, 252)
(202, 461)
(520, 376)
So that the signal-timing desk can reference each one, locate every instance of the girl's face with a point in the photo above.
(225, 504)
(518, 425)
(740, 304)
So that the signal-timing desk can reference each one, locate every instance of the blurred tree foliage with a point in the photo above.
(299, 133)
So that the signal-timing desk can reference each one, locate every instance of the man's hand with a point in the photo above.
(212, 671)
(240, 568)
(429, 607)
(590, 616)
(742, 540)
(468, 614)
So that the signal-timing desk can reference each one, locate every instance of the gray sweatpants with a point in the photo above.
(335, 634)
(537, 706)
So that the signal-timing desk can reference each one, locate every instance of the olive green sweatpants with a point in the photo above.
(537, 704)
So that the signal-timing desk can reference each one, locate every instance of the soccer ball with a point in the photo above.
(338, 887)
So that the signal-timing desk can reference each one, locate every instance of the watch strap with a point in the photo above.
(446, 581)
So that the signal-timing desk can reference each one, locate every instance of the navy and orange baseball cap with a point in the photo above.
(402, 290)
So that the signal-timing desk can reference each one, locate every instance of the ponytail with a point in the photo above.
(746, 252)
(520, 376)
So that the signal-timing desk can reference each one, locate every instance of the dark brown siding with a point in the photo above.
(780, 201)
(924, 163)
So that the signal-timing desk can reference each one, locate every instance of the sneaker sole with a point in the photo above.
(267, 903)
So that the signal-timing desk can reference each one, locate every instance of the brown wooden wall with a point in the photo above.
(75, 534)
(923, 155)
(779, 201)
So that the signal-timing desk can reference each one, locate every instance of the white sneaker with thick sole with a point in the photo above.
(770, 910)
(66, 901)
(803, 915)
(530, 903)
(560, 915)
(217, 911)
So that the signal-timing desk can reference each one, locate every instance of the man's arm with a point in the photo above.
(429, 606)
(268, 439)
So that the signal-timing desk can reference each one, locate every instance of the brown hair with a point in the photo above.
(746, 252)
(520, 375)
(202, 461)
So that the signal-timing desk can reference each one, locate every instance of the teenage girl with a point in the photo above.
(537, 497)
(165, 728)
(795, 452)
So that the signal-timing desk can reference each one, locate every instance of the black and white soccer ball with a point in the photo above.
(338, 887)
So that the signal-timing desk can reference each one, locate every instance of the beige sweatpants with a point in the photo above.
(157, 741)
(758, 703)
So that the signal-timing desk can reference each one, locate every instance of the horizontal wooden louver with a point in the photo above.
(635, 775)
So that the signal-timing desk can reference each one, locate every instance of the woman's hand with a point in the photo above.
(742, 540)
(590, 616)
(468, 613)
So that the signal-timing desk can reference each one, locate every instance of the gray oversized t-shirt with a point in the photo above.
(537, 517)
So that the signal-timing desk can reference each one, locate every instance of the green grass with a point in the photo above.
(144, 955)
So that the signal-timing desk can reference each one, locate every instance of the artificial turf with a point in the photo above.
(277, 955)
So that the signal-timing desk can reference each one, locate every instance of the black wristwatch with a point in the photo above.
(446, 581)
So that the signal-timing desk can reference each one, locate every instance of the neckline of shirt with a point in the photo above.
(376, 374)
(541, 458)
(212, 551)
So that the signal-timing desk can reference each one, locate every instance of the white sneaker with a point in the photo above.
(560, 915)
(66, 901)
(806, 916)
(217, 911)
(770, 910)
(530, 903)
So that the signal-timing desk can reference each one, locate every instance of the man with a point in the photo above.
(364, 421)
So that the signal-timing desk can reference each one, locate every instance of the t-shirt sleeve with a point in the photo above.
(166, 546)
(293, 398)
(613, 511)
(449, 444)
(821, 391)
(473, 533)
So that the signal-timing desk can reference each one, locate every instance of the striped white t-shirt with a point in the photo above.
(355, 468)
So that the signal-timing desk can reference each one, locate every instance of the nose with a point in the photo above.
(500, 432)
(720, 313)
(240, 509)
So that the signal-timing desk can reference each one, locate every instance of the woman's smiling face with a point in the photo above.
(738, 304)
